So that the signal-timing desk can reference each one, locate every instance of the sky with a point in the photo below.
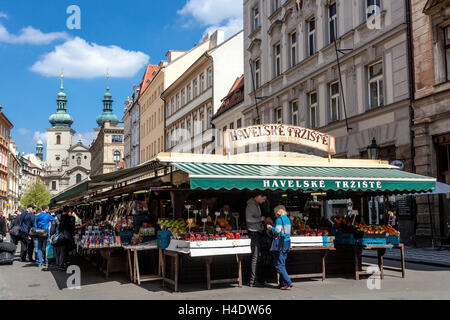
(86, 39)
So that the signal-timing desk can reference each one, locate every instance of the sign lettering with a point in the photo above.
(269, 133)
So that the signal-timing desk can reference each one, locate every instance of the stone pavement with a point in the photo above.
(417, 255)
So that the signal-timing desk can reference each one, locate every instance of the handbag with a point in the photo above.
(57, 239)
(15, 231)
(50, 251)
(278, 241)
(38, 233)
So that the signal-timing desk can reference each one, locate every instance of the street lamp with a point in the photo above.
(373, 150)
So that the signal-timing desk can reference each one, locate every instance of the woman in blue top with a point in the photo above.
(282, 227)
(42, 221)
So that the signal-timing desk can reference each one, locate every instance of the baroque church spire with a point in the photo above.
(107, 114)
(61, 119)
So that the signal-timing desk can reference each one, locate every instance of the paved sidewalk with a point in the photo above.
(425, 256)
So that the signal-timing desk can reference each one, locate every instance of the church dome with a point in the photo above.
(61, 119)
(106, 116)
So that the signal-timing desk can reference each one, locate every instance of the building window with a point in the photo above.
(189, 93)
(224, 129)
(231, 125)
(447, 51)
(279, 115)
(195, 83)
(334, 101)
(196, 125)
(332, 23)
(178, 102)
(58, 139)
(57, 158)
(255, 18)
(376, 97)
(313, 110)
(79, 161)
(294, 112)
(117, 139)
(78, 178)
(189, 127)
(257, 68)
(210, 79)
(183, 97)
(116, 156)
(209, 118)
(373, 7)
(53, 185)
(239, 123)
(311, 36)
(172, 106)
(275, 5)
(202, 82)
(277, 59)
(293, 51)
(202, 119)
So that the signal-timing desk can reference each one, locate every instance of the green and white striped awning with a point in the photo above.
(258, 177)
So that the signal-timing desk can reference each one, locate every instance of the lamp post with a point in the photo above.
(373, 150)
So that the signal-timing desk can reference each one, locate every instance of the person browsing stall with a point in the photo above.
(255, 229)
(282, 230)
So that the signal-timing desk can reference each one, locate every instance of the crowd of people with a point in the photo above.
(47, 235)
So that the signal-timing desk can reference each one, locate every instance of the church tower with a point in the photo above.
(107, 114)
(60, 136)
(40, 150)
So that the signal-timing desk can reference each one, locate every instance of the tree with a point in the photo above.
(38, 195)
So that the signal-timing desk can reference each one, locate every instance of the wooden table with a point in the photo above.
(133, 264)
(323, 250)
(176, 263)
(358, 249)
(401, 247)
(209, 282)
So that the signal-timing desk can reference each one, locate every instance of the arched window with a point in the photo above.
(58, 139)
(116, 156)
(78, 178)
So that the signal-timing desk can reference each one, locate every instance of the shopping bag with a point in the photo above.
(50, 251)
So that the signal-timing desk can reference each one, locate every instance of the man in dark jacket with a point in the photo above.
(64, 224)
(26, 222)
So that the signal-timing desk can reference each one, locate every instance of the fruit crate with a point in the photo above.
(344, 238)
(370, 241)
(393, 240)
(163, 239)
(328, 240)
(304, 241)
(360, 235)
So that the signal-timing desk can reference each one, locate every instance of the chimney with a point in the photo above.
(217, 38)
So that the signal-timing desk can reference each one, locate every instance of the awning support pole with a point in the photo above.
(431, 222)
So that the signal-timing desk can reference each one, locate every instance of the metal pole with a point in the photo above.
(431, 222)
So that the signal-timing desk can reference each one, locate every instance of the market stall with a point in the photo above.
(198, 208)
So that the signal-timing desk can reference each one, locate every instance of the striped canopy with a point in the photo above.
(261, 177)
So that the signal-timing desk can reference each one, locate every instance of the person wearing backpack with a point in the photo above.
(281, 231)
(65, 225)
(26, 222)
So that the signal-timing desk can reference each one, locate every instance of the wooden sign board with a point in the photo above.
(279, 133)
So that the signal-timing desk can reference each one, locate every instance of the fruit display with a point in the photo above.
(176, 226)
(212, 237)
(224, 225)
(311, 232)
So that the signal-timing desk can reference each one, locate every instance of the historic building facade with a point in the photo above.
(431, 47)
(67, 162)
(196, 95)
(291, 67)
(5, 138)
(108, 148)
(13, 178)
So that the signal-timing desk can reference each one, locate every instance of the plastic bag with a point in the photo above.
(50, 251)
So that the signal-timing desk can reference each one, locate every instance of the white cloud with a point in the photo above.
(23, 131)
(30, 35)
(80, 59)
(215, 14)
(3, 15)
(40, 136)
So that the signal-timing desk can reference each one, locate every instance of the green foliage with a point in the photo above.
(38, 195)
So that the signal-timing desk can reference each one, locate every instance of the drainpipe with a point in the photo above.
(410, 55)
(213, 138)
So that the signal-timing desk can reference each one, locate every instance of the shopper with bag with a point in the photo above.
(281, 245)
(42, 222)
(26, 222)
(14, 228)
(62, 239)
(2, 227)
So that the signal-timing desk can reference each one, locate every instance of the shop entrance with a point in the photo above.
(442, 144)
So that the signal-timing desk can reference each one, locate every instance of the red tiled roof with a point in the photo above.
(148, 76)
(234, 97)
